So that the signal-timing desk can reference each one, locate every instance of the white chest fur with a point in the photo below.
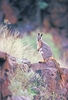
(41, 51)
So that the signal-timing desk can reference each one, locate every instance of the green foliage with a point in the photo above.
(23, 82)
(42, 5)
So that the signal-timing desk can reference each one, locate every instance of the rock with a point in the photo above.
(56, 81)
(4, 75)
(6, 7)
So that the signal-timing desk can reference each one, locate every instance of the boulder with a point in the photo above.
(7, 65)
(4, 73)
(56, 80)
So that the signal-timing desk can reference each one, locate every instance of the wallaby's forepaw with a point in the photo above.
(37, 49)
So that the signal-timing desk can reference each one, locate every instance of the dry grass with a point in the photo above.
(16, 46)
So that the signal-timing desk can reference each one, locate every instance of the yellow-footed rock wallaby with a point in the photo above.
(43, 48)
(46, 52)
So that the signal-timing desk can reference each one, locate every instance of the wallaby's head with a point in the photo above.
(39, 37)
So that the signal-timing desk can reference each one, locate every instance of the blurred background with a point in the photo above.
(49, 17)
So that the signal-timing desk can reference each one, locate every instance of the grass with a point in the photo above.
(16, 47)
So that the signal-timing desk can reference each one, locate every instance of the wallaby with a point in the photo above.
(43, 48)
(46, 53)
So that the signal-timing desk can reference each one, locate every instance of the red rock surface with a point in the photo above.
(55, 82)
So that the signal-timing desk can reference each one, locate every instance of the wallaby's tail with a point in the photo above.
(57, 66)
(59, 72)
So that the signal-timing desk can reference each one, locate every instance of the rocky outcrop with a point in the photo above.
(7, 65)
(56, 78)
(57, 82)
(4, 73)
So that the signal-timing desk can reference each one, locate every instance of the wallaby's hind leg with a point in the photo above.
(44, 61)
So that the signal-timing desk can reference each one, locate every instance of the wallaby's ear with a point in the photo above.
(41, 35)
(38, 34)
